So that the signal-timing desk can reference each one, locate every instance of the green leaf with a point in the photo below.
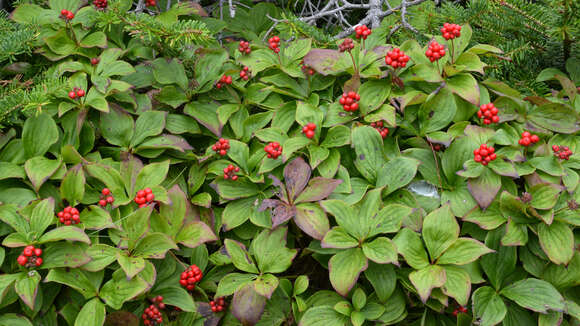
(169, 72)
(463, 251)
(410, 246)
(544, 195)
(136, 223)
(92, 314)
(154, 245)
(100, 256)
(557, 241)
(381, 250)
(63, 254)
(39, 169)
(383, 280)
(471, 169)
(534, 294)
(269, 249)
(14, 319)
(242, 188)
(464, 86)
(240, 257)
(359, 299)
(74, 278)
(457, 284)
(96, 218)
(231, 282)
(427, 279)
(72, 187)
(38, 134)
(440, 231)
(11, 170)
(117, 126)
(337, 136)
(401, 171)
(265, 285)
(345, 267)
(437, 111)
(194, 234)
(293, 144)
(307, 113)
(389, 219)
(557, 117)
(152, 175)
(119, 289)
(488, 306)
(149, 123)
(369, 150)
(504, 168)
(311, 219)
(96, 39)
(42, 216)
(344, 216)
(27, 288)
(338, 238)
(323, 316)
(9, 215)
(178, 297)
(499, 265)
(70, 233)
(373, 94)
(300, 285)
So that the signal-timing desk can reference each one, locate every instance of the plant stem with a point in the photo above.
(355, 67)
(452, 51)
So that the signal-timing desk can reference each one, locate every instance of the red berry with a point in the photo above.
(64, 12)
(102, 202)
(38, 262)
(105, 191)
(72, 95)
(22, 260)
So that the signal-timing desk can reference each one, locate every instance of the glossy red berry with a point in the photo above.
(435, 51)
(100, 4)
(346, 45)
(528, 139)
(308, 130)
(224, 80)
(562, 152)
(151, 3)
(144, 197)
(484, 154)
(221, 147)
(190, 277)
(488, 112)
(22, 260)
(69, 215)
(450, 31)
(66, 14)
(274, 44)
(229, 172)
(245, 73)
(72, 95)
(380, 127)
(349, 101)
(396, 58)
(244, 47)
(218, 304)
(30, 257)
(362, 31)
(274, 149)
(80, 93)
(70, 16)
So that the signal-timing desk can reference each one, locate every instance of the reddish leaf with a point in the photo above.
(318, 189)
(282, 213)
(323, 60)
(296, 176)
(248, 305)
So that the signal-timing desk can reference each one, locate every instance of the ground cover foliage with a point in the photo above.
(161, 173)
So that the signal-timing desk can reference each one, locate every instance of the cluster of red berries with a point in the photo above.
(274, 149)
(450, 31)
(349, 101)
(100, 4)
(144, 197)
(308, 130)
(346, 45)
(435, 51)
(221, 147)
(396, 58)
(380, 127)
(76, 92)
(528, 139)
(69, 215)
(151, 3)
(218, 304)
(306, 69)
(229, 172)
(66, 14)
(224, 80)
(459, 310)
(362, 31)
(30, 257)
(106, 197)
(190, 277)
(489, 113)
(245, 73)
(152, 316)
(274, 44)
(562, 152)
(484, 154)
(244, 47)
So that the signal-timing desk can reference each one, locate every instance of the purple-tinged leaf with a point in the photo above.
(296, 176)
(311, 219)
(318, 189)
(282, 213)
(269, 203)
(265, 285)
(247, 305)
(122, 318)
(165, 141)
(205, 114)
(204, 309)
(282, 193)
(323, 61)
(484, 188)
(27, 288)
